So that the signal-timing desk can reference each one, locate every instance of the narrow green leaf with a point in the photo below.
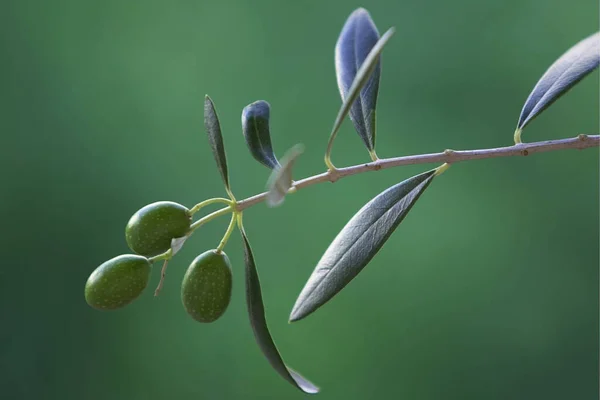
(361, 78)
(281, 179)
(256, 311)
(215, 138)
(563, 74)
(358, 242)
(255, 126)
(358, 37)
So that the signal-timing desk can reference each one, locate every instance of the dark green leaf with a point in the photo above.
(255, 126)
(357, 243)
(358, 37)
(215, 138)
(256, 311)
(362, 75)
(281, 179)
(569, 69)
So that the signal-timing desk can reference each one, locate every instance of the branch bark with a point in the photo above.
(448, 156)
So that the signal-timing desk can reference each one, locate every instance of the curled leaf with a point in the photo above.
(358, 242)
(215, 138)
(256, 312)
(281, 179)
(358, 37)
(562, 75)
(361, 78)
(255, 126)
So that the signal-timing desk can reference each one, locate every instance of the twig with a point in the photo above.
(449, 156)
(163, 272)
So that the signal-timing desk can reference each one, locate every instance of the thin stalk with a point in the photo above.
(449, 156)
(208, 202)
(209, 217)
(227, 233)
(164, 256)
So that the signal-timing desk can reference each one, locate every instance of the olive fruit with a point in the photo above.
(150, 230)
(117, 282)
(206, 287)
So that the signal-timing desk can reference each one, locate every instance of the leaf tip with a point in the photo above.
(294, 318)
(297, 149)
(299, 311)
(209, 105)
(360, 11)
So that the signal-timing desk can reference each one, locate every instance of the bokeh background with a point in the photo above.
(488, 290)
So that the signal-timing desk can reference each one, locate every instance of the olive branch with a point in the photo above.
(159, 230)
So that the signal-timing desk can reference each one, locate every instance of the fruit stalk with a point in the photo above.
(227, 233)
(210, 217)
(208, 202)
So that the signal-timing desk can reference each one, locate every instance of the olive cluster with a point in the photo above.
(159, 230)
(206, 286)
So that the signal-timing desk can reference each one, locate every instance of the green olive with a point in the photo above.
(206, 287)
(117, 282)
(150, 230)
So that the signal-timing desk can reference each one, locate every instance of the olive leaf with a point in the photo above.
(281, 179)
(255, 126)
(562, 75)
(359, 35)
(361, 78)
(215, 138)
(256, 311)
(358, 242)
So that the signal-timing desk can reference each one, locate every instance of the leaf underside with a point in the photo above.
(358, 37)
(281, 179)
(215, 138)
(255, 127)
(256, 312)
(177, 244)
(358, 242)
(362, 76)
(563, 74)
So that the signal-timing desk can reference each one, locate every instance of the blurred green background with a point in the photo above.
(488, 290)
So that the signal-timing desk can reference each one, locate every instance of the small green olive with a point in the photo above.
(206, 287)
(150, 230)
(117, 282)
